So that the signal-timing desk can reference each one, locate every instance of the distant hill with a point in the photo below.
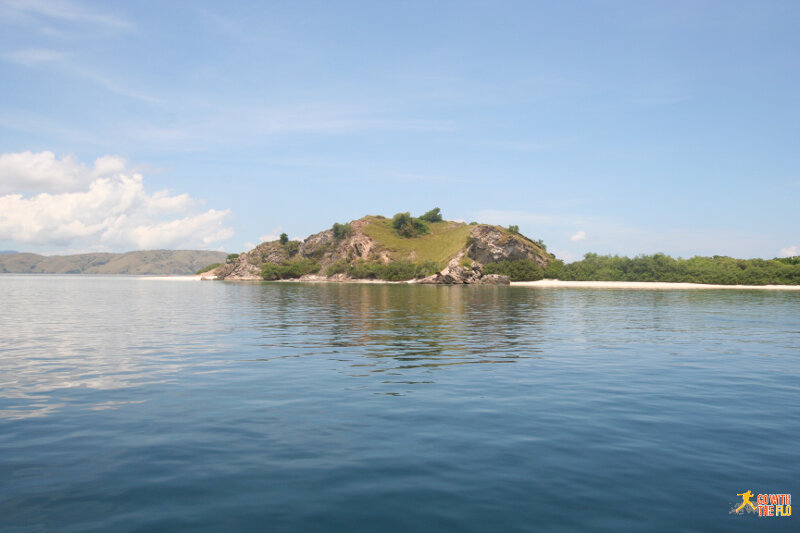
(8, 252)
(158, 262)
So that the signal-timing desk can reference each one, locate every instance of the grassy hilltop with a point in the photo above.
(443, 240)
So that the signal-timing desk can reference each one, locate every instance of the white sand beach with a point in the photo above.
(656, 285)
(541, 284)
(174, 278)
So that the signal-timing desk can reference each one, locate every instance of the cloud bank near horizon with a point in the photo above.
(790, 251)
(63, 203)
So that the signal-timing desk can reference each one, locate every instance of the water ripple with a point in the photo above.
(129, 404)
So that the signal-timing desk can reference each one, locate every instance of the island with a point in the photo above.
(430, 250)
(424, 249)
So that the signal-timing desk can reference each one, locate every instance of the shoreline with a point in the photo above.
(539, 284)
(647, 285)
(555, 284)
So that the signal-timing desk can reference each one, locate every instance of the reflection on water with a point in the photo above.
(129, 404)
(390, 327)
(106, 333)
(110, 333)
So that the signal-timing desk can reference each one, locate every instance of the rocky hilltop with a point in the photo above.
(417, 250)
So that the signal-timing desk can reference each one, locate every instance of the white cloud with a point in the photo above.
(106, 206)
(579, 236)
(42, 171)
(268, 238)
(790, 251)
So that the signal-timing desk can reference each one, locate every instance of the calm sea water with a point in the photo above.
(131, 404)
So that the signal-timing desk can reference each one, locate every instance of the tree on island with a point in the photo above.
(407, 226)
(341, 231)
(434, 215)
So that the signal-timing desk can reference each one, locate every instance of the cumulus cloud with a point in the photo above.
(105, 205)
(790, 251)
(580, 236)
(43, 171)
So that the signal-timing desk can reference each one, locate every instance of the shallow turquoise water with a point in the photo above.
(130, 404)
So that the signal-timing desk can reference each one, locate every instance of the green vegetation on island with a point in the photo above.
(289, 269)
(208, 268)
(429, 249)
(395, 271)
(341, 231)
(440, 243)
(434, 215)
(407, 226)
(719, 270)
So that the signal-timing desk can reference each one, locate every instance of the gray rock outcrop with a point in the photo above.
(490, 244)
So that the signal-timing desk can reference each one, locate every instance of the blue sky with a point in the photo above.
(614, 127)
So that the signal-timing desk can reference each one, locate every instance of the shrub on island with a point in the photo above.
(292, 247)
(289, 269)
(395, 271)
(407, 226)
(341, 231)
(519, 270)
(206, 268)
(720, 270)
(434, 215)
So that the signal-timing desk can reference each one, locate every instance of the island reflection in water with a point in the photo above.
(392, 328)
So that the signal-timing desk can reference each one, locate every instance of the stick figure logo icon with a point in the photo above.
(745, 501)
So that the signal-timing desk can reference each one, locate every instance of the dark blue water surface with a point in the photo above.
(133, 404)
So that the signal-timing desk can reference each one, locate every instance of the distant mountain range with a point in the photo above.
(160, 262)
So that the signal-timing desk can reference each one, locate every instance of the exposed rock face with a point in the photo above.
(454, 273)
(457, 274)
(248, 265)
(490, 244)
(239, 270)
(322, 247)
